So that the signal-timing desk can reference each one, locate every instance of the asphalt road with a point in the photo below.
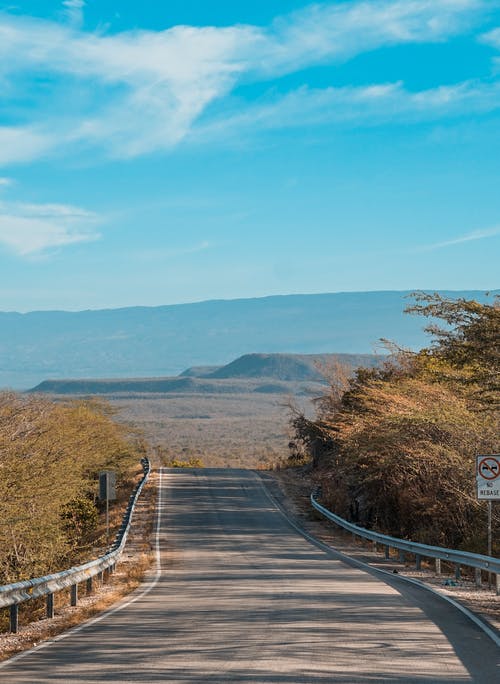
(241, 597)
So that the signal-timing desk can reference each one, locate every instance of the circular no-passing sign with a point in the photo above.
(489, 467)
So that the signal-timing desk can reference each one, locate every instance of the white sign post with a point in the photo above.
(488, 477)
(488, 485)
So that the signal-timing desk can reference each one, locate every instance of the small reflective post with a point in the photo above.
(74, 594)
(50, 606)
(14, 618)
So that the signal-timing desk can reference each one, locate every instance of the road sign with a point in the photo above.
(107, 485)
(488, 477)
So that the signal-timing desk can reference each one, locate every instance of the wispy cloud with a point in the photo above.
(481, 234)
(73, 9)
(353, 106)
(24, 143)
(5, 182)
(34, 229)
(322, 32)
(155, 85)
(159, 255)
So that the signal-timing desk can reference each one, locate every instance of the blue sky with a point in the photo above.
(155, 153)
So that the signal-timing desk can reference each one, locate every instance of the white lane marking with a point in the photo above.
(365, 566)
(149, 586)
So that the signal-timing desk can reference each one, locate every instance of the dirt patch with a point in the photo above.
(291, 489)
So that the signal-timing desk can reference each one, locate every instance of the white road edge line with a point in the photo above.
(469, 614)
(102, 616)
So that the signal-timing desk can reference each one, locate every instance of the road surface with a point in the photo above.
(242, 597)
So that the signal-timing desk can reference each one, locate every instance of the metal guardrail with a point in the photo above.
(458, 558)
(14, 594)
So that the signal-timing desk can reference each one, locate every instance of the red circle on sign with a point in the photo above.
(489, 468)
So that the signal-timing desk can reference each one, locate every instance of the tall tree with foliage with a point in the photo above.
(396, 451)
(50, 455)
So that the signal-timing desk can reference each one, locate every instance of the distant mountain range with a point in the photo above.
(162, 341)
(261, 373)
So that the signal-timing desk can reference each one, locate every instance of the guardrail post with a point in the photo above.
(14, 618)
(90, 585)
(401, 556)
(438, 566)
(387, 552)
(457, 572)
(50, 606)
(418, 561)
(74, 594)
(497, 583)
(478, 577)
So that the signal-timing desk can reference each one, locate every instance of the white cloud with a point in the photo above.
(6, 182)
(74, 11)
(492, 38)
(22, 144)
(480, 234)
(153, 86)
(33, 229)
(329, 31)
(172, 253)
(353, 106)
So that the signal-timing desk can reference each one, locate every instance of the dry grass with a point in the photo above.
(223, 430)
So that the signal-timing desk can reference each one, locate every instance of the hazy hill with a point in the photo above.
(147, 386)
(289, 367)
(162, 341)
(262, 373)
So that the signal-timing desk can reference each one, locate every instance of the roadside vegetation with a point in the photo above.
(50, 457)
(394, 447)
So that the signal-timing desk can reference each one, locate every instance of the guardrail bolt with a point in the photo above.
(50, 606)
(74, 594)
(14, 618)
